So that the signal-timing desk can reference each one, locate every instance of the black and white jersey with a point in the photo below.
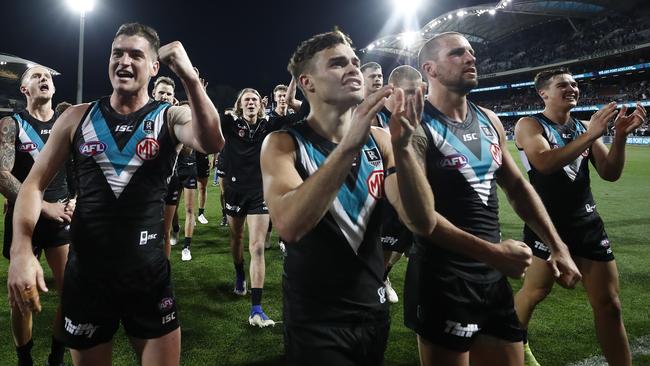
(384, 117)
(333, 274)
(122, 164)
(566, 193)
(243, 144)
(31, 136)
(462, 160)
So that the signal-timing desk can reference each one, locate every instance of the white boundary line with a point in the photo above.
(640, 346)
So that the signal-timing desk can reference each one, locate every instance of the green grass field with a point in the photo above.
(214, 321)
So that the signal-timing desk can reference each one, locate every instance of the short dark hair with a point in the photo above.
(61, 107)
(370, 65)
(543, 78)
(144, 31)
(430, 47)
(280, 87)
(307, 49)
(403, 73)
(165, 80)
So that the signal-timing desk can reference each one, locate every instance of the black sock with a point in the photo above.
(256, 296)
(57, 349)
(387, 271)
(239, 270)
(176, 228)
(24, 353)
(188, 242)
(201, 211)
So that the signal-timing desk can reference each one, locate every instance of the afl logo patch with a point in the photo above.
(165, 304)
(147, 149)
(452, 162)
(92, 148)
(27, 147)
(496, 153)
(376, 184)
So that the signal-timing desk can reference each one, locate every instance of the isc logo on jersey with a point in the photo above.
(92, 148)
(376, 184)
(453, 162)
(27, 147)
(147, 149)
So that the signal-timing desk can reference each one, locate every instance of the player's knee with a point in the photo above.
(609, 306)
(256, 248)
(537, 294)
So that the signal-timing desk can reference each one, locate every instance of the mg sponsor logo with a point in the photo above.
(85, 329)
(147, 149)
(457, 329)
(92, 148)
(495, 150)
(27, 147)
(453, 162)
(376, 184)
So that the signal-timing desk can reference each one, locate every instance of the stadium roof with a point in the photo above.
(12, 67)
(491, 23)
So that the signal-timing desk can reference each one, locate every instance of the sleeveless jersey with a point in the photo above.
(31, 136)
(334, 273)
(566, 193)
(122, 164)
(384, 117)
(462, 160)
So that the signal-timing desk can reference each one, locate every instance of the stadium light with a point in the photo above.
(492, 11)
(82, 6)
(409, 38)
(406, 7)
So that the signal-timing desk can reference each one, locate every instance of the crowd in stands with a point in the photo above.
(562, 42)
(591, 93)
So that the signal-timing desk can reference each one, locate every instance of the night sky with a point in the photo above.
(235, 43)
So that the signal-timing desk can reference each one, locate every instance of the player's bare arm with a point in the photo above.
(528, 136)
(25, 272)
(527, 204)
(202, 130)
(408, 190)
(609, 163)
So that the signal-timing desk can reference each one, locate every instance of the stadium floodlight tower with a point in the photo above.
(81, 6)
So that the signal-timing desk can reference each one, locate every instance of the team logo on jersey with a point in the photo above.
(92, 148)
(373, 157)
(376, 183)
(487, 131)
(148, 126)
(453, 162)
(241, 133)
(27, 147)
(165, 304)
(495, 149)
(147, 148)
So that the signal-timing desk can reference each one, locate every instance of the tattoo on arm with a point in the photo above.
(9, 185)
